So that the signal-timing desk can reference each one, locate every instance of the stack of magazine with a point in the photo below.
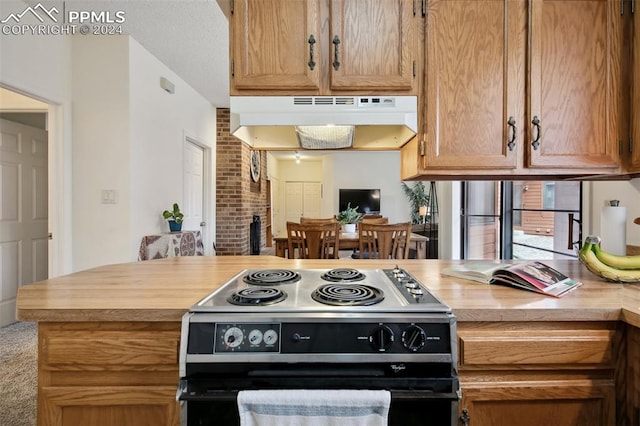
(530, 275)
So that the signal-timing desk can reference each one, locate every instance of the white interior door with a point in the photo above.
(193, 187)
(312, 199)
(294, 207)
(23, 212)
(302, 199)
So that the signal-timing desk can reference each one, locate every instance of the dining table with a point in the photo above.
(351, 240)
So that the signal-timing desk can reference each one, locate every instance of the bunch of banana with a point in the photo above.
(625, 269)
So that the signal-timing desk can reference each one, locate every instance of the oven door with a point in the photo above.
(212, 399)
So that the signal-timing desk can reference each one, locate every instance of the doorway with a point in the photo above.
(24, 218)
(196, 178)
(302, 199)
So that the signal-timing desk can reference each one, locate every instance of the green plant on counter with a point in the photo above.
(174, 214)
(349, 215)
(418, 196)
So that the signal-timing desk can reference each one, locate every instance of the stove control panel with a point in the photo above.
(320, 338)
(366, 338)
(247, 338)
(409, 286)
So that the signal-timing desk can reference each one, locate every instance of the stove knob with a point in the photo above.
(411, 284)
(413, 338)
(233, 337)
(382, 338)
(416, 292)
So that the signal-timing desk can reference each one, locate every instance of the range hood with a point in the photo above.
(324, 122)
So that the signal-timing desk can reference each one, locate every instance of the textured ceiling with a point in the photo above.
(189, 36)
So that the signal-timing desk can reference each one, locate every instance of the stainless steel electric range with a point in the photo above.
(320, 329)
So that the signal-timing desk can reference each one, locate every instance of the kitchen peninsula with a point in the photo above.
(109, 337)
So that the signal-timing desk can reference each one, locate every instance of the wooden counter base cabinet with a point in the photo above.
(532, 374)
(528, 374)
(108, 374)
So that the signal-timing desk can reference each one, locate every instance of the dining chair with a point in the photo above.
(384, 241)
(309, 220)
(313, 240)
(372, 216)
(376, 220)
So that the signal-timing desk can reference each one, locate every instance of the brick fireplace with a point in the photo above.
(238, 197)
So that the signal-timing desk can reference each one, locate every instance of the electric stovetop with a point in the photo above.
(322, 290)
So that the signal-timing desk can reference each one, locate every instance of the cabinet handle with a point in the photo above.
(512, 140)
(536, 124)
(336, 62)
(570, 243)
(312, 63)
(464, 417)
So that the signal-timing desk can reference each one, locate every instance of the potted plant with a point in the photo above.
(348, 218)
(175, 217)
(418, 196)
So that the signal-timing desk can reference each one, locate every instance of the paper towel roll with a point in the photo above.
(613, 229)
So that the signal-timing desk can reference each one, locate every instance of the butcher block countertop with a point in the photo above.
(164, 289)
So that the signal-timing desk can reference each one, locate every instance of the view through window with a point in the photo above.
(520, 219)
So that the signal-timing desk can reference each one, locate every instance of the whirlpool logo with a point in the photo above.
(397, 368)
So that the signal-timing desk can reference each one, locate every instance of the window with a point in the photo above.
(548, 195)
(520, 219)
(480, 220)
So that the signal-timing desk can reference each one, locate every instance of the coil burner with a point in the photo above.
(347, 295)
(270, 277)
(257, 296)
(342, 275)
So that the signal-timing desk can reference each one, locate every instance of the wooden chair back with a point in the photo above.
(310, 220)
(384, 241)
(313, 240)
(372, 216)
(378, 220)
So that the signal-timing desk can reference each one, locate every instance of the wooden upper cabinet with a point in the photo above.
(575, 80)
(274, 44)
(474, 67)
(318, 47)
(521, 88)
(373, 44)
(634, 163)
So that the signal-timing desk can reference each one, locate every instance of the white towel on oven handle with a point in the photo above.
(301, 407)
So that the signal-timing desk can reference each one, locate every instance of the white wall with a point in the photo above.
(344, 169)
(101, 156)
(128, 136)
(160, 121)
(372, 169)
(628, 192)
(40, 66)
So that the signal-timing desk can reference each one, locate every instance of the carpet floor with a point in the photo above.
(18, 374)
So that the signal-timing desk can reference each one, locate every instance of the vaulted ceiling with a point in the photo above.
(189, 36)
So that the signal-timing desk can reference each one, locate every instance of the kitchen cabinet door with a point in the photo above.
(274, 45)
(108, 373)
(373, 44)
(109, 406)
(538, 373)
(634, 163)
(575, 103)
(474, 89)
(632, 391)
(567, 403)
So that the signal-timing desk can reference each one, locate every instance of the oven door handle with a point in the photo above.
(184, 394)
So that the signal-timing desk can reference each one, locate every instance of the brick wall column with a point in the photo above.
(238, 198)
